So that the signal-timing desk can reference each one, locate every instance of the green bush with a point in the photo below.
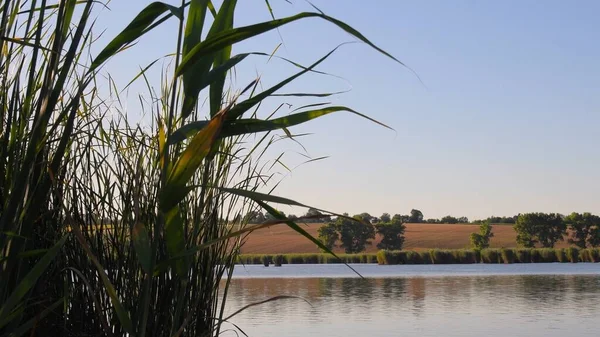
(572, 254)
(508, 255)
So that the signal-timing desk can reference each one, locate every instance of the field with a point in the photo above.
(281, 239)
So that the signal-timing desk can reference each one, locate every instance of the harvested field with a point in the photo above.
(281, 239)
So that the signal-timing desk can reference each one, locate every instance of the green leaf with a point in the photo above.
(240, 108)
(192, 37)
(29, 280)
(223, 21)
(186, 131)
(244, 126)
(108, 286)
(138, 27)
(191, 158)
(229, 37)
(20, 331)
(175, 237)
(141, 243)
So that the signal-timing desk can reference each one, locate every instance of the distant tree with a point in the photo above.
(498, 220)
(594, 237)
(255, 217)
(366, 217)
(354, 235)
(448, 219)
(269, 217)
(317, 216)
(432, 221)
(416, 216)
(463, 219)
(584, 229)
(292, 217)
(392, 235)
(543, 228)
(481, 240)
(400, 218)
(385, 218)
(328, 235)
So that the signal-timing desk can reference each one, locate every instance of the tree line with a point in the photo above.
(532, 229)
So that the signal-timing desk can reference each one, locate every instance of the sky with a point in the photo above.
(496, 113)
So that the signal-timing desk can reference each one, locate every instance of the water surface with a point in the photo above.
(432, 300)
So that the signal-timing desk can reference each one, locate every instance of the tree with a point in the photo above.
(463, 219)
(365, 217)
(328, 235)
(584, 229)
(392, 235)
(354, 235)
(400, 218)
(432, 221)
(317, 216)
(542, 228)
(385, 218)
(448, 219)
(416, 216)
(255, 217)
(269, 217)
(292, 217)
(481, 240)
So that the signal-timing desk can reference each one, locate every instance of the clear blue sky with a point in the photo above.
(507, 120)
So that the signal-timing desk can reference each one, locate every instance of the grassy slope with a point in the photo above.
(281, 239)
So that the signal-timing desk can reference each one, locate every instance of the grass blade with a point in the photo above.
(29, 280)
(134, 30)
(232, 36)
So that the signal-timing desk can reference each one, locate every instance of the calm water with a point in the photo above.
(453, 300)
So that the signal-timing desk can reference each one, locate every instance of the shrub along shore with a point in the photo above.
(435, 256)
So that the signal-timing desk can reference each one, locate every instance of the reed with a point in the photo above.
(572, 254)
(508, 255)
(131, 227)
(561, 255)
(523, 255)
(491, 255)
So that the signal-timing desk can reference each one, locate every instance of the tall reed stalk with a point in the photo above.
(118, 229)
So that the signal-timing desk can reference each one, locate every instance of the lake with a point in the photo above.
(418, 300)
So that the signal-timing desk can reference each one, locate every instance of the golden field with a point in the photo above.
(282, 239)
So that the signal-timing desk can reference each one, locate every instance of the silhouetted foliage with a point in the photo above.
(543, 228)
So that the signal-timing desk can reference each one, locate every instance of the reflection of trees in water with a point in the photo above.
(356, 289)
(579, 293)
(417, 288)
(546, 291)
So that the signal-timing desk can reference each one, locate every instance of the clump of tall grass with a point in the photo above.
(548, 255)
(278, 260)
(561, 255)
(508, 255)
(425, 257)
(589, 255)
(572, 254)
(464, 256)
(491, 255)
(441, 256)
(523, 255)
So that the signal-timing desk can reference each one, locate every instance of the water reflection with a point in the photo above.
(526, 305)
